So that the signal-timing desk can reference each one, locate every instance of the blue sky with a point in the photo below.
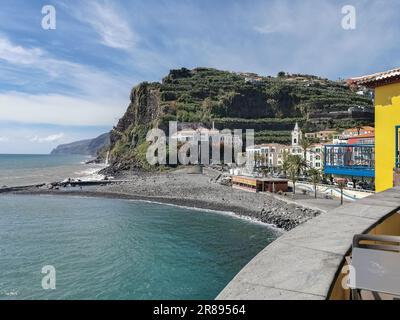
(72, 83)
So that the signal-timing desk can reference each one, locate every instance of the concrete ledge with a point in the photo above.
(303, 263)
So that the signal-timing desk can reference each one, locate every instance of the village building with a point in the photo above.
(204, 134)
(314, 156)
(362, 139)
(322, 136)
(352, 132)
(260, 184)
(271, 155)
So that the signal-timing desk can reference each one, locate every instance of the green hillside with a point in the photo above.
(269, 105)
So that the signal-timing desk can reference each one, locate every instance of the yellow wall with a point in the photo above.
(387, 117)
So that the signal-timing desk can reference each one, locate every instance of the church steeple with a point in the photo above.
(296, 135)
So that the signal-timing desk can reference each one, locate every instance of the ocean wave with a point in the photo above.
(90, 174)
(227, 213)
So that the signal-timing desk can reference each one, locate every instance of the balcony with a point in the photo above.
(356, 160)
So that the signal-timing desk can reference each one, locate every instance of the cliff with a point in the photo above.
(270, 105)
(90, 147)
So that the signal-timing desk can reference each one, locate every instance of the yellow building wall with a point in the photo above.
(387, 117)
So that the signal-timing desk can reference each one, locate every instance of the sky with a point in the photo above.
(73, 82)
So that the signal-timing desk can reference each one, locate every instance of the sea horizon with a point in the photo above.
(26, 169)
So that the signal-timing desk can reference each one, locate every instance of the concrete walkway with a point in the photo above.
(308, 201)
(303, 263)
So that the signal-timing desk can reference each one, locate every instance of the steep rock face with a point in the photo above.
(143, 113)
(271, 106)
(144, 108)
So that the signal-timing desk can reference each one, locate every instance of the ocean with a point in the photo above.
(18, 170)
(118, 249)
(113, 249)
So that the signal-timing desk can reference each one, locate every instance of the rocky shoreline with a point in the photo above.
(192, 190)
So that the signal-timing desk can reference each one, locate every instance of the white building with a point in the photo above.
(271, 154)
(315, 156)
(204, 134)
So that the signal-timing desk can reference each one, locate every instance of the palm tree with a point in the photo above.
(265, 171)
(315, 178)
(305, 144)
(263, 159)
(257, 159)
(293, 176)
(285, 162)
(295, 164)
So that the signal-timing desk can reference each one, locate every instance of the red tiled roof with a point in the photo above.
(368, 135)
(364, 128)
(377, 79)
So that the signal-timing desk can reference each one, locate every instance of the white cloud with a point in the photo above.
(4, 139)
(51, 138)
(109, 23)
(275, 27)
(57, 109)
(88, 80)
(18, 54)
(95, 97)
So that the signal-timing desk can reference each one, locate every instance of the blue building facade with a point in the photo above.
(354, 160)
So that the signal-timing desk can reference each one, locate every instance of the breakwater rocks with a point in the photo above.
(287, 216)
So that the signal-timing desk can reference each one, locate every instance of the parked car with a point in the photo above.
(350, 185)
(359, 186)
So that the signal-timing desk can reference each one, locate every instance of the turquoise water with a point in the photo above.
(114, 249)
(17, 170)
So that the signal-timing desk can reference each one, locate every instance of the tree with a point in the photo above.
(281, 74)
(315, 179)
(265, 171)
(285, 162)
(293, 176)
(263, 159)
(259, 160)
(295, 164)
(305, 144)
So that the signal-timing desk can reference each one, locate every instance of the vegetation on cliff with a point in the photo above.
(269, 105)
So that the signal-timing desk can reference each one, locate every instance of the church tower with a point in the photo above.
(297, 135)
